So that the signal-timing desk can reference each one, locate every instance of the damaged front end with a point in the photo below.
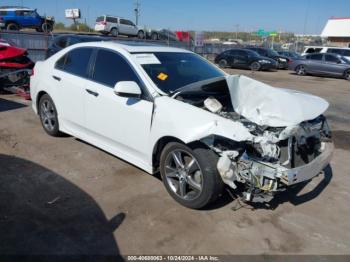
(275, 158)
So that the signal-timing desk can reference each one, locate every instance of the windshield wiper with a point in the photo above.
(196, 86)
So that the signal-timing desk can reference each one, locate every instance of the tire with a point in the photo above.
(114, 32)
(347, 75)
(300, 70)
(255, 66)
(140, 34)
(223, 63)
(12, 27)
(201, 181)
(154, 36)
(48, 116)
(46, 27)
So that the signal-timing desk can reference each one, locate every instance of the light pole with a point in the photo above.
(137, 11)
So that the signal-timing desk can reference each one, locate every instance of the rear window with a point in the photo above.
(3, 12)
(100, 19)
(316, 57)
(75, 62)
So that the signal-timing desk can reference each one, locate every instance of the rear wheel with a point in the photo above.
(141, 34)
(48, 116)
(114, 32)
(255, 66)
(46, 27)
(347, 75)
(12, 27)
(190, 175)
(223, 63)
(301, 70)
(154, 36)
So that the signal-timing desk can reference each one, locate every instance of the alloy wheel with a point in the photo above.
(301, 70)
(183, 174)
(48, 115)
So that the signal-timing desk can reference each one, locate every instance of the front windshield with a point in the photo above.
(171, 71)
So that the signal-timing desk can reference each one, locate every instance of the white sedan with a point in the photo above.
(169, 110)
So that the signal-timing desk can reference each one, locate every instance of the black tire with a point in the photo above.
(114, 32)
(46, 27)
(211, 182)
(347, 75)
(300, 70)
(51, 109)
(12, 27)
(154, 36)
(255, 66)
(140, 34)
(222, 63)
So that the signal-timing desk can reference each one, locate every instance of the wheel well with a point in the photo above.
(38, 97)
(11, 22)
(162, 142)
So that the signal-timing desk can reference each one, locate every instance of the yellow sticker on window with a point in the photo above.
(162, 76)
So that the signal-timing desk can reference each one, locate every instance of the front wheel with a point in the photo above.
(347, 75)
(223, 63)
(48, 116)
(141, 34)
(190, 175)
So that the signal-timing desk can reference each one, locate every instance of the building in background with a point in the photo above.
(337, 31)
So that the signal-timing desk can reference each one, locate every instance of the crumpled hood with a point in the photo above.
(270, 106)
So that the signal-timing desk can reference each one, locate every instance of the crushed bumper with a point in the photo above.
(310, 170)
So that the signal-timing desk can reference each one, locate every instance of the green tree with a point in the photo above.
(59, 26)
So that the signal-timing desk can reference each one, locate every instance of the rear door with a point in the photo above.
(70, 77)
(315, 63)
(240, 59)
(124, 27)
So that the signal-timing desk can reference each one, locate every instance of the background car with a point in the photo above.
(291, 55)
(322, 64)
(16, 18)
(245, 58)
(115, 26)
(282, 61)
(343, 51)
(62, 41)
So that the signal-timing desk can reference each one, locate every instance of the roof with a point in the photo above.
(12, 8)
(337, 27)
(134, 47)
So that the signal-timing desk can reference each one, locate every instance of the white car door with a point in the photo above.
(70, 75)
(120, 125)
(123, 27)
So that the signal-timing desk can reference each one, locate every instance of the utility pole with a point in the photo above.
(137, 11)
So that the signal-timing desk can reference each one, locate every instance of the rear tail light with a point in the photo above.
(290, 61)
(103, 23)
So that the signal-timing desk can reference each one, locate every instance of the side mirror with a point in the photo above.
(127, 89)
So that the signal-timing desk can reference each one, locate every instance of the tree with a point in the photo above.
(59, 26)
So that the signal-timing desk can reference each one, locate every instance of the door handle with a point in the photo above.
(91, 92)
(56, 78)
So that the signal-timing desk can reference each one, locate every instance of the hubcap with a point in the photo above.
(255, 66)
(183, 174)
(301, 70)
(48, 115)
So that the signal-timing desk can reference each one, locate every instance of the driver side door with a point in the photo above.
(119, 125)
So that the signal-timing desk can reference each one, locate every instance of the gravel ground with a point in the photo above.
(63, 196)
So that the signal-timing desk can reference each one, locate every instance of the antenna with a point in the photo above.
(137, 11)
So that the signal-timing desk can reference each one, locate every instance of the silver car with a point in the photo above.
(322, 64)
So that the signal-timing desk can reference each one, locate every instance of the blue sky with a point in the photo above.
(221, 15)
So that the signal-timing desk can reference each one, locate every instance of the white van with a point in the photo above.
(115, 26)
(343, 51)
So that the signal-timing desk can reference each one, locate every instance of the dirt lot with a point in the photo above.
(63, 196)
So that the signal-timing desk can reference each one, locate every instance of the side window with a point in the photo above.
(112, 20)
(75, 62)
(3, 13)
(334, 51)
(242, 54)
(233, 52)
(346, 52)
(19, 13)
(331, 59)
(123, 22)
(110, 68)
(318, 57)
